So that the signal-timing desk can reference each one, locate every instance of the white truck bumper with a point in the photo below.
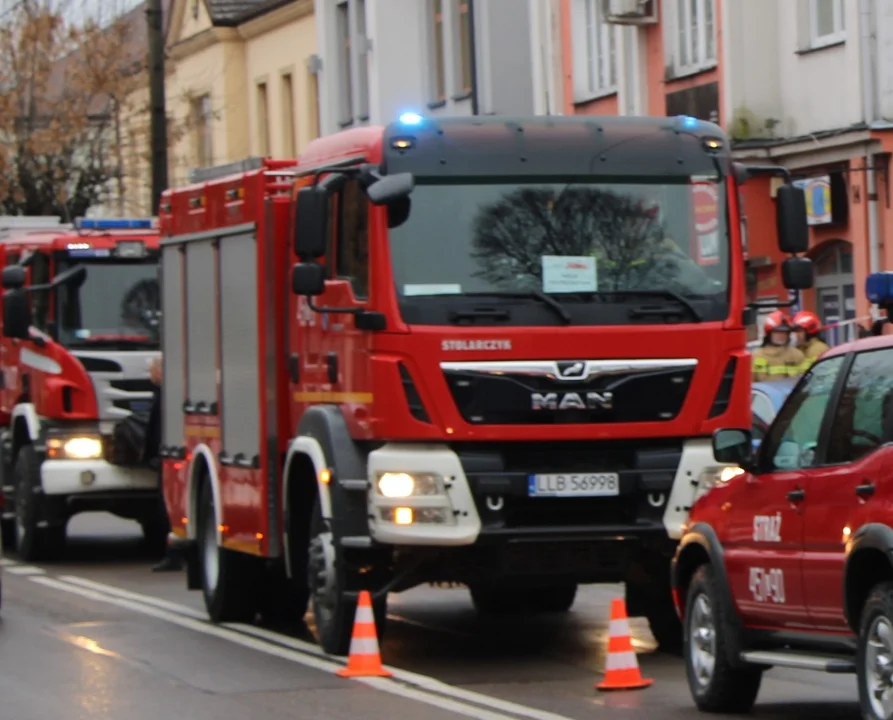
(75, 477)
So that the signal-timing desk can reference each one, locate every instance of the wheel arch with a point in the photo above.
(25, 426)
(869, 560)
(202, 465)
(301, 486)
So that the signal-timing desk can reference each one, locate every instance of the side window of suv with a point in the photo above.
(864, 416)
(791, 441)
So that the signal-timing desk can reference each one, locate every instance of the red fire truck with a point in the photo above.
(79, 329)
(475, 350)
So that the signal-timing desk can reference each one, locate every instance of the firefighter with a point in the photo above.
(807, 333)
(776, 358)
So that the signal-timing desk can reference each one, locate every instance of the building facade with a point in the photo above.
(803, 83)
(380, 58)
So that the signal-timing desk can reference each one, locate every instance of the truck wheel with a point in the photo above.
(716, 686)
(653, 600)
(155, 533)
(33, 543)
(8, 534)
(875, 655)
(328, 580)
(227, 582)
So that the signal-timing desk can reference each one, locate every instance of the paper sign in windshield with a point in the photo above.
(432, 289)
(705, 199)
(563, 274)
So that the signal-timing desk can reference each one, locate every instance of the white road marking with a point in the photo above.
(24, 570)
(422, 681)
(428, 691)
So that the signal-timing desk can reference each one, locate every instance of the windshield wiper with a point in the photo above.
(637, 312)
(547, 300)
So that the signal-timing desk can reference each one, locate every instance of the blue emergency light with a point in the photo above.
(114, 223)
(879, 288)
(411, 118)
(688, 122)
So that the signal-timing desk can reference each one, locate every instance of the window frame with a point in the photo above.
(463, 49)
(694, 32)
(594, 52)
(437, 12)
(765, 461)
(837, 35)
(344, 45)
(338, 237)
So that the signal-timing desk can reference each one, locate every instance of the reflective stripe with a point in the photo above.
(621, 661)
(364, 615)
(619, 628)
(364, 646)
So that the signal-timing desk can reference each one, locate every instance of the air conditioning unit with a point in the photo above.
(630, 12)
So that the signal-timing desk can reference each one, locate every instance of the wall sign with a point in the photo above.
(818, 199)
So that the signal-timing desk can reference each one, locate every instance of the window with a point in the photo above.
(202, 117)
(362, 60)
(695, 46)
(864, 419)
(791, 441)
(352, 253)
(289, 143)
(438, 66)
(762, 407)
(345, 71)
(826, 23)
(263, 120)
(465, 69)
(40, 301)
(594, 51)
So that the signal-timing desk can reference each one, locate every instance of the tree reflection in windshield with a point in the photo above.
(488, 237)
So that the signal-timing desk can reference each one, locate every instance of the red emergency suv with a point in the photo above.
(790, 563)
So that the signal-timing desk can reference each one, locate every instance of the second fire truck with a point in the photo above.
(79, 329)
(480, 350)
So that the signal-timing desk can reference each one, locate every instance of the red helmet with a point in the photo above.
(776, 321)
(805, 320)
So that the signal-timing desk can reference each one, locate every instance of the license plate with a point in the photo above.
(574, 485)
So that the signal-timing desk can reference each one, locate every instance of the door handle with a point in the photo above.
(796, 495)
(866, 490)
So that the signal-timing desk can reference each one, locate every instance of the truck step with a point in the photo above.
(801, 661)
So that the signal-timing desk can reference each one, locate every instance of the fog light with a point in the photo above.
(417, 516)
(88, 477)
(403, 516)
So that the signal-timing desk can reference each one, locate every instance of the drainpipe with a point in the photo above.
(475, 101)
(868, 111)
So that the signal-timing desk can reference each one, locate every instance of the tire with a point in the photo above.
(155, 535)
(227, 578)
(285, 600)
(512, 601)
(33, 543)
(331, 584)
(873, 649)
(650, 597)
(721, 688)
(8, 534)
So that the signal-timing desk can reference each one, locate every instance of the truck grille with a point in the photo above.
(534, 394)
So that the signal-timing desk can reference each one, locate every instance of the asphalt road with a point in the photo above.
(97, 636)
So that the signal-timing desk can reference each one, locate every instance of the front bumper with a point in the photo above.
(75, 477)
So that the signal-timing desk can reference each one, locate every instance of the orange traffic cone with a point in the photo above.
(364, 659)
(621, 664)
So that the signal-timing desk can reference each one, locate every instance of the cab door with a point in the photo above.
(845, 492)
(765, 532)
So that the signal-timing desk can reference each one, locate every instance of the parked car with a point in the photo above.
(766, 400)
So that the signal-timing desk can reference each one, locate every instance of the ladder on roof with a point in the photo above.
(30, 222)
(197, 175)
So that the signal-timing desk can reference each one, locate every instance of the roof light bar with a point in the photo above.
(116, 223)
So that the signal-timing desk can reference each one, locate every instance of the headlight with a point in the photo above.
(719, 476)
(74, 448)
(404, 485)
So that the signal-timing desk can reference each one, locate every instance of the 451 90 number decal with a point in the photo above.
(767, 585)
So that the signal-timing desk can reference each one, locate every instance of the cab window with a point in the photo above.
(352, 251)
(40, 300)
(791, 441)
(863, 420)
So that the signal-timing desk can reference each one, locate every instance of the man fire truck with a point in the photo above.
(505, 346)
(79, 329)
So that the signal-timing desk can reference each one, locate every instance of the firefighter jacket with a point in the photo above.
(771, 362)
(812, 350)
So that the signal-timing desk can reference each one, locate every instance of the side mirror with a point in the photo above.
(308, 279)
(797, 273)
(732, 446)
(13, 277)
(311, 223)
(16, 315)
(790, 216)
(390, 188)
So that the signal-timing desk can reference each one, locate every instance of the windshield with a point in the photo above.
(116, 306)
(582, 244)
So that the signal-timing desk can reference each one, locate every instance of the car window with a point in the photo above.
(762, 406)
(864, 416)
(791, 441)
(759, 428)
